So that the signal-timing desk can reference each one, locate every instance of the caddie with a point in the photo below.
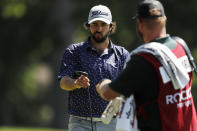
(158, 74)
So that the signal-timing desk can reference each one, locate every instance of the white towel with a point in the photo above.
(174, 69)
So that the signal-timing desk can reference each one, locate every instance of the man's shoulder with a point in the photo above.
(120, 49)
(78, 45)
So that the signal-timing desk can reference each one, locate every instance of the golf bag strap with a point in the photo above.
(188, 52)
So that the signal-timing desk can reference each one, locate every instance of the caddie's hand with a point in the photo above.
(82, 82)
(100, 86)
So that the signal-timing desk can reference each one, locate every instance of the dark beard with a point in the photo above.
(100, 40)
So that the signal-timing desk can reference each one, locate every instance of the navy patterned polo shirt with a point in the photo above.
(81, 57)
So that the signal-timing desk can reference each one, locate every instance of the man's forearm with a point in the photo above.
(67, 83)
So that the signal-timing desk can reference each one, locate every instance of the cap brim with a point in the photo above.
(99, 19)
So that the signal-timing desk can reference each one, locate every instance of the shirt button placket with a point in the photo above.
(100, 65)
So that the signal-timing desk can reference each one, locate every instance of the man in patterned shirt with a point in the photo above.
(98, 57)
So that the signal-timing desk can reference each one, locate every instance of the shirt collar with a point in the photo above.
(162, 40)
(88, 46)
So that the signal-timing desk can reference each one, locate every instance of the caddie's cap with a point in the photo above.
(100, 12)
(149, 9)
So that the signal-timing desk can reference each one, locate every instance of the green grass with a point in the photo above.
(27, 129)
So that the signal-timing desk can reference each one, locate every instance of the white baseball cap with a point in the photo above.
(100, 12)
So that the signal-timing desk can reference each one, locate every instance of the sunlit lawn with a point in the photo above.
(27, 129)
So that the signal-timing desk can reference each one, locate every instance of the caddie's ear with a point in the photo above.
(139, 24)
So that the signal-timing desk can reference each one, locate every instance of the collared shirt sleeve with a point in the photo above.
(139, 76)
(68, 62)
